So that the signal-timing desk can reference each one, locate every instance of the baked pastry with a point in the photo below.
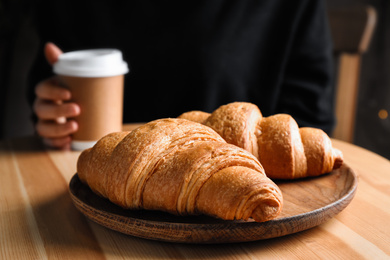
(181, 167)
(285, 150)
(196, 116)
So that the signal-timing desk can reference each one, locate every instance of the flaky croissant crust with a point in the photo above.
(285, 150)
(181, 167)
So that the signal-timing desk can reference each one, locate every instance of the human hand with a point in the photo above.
(54, 124)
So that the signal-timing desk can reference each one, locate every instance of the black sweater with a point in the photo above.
(198, 55)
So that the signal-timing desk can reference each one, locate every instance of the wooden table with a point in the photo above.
(39, 221)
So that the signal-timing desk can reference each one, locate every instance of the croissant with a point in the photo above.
(181, 167)
(284, 150)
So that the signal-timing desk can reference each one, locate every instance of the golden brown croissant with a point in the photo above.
(181, 167)
(285, 150)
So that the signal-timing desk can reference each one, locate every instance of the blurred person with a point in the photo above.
(190, 55)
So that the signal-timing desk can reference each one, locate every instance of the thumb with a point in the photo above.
(52, 52)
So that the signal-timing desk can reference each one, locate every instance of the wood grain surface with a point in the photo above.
(38, 219)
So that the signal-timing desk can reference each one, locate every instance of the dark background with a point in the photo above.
(371, 132)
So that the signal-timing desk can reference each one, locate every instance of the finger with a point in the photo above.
(50, 129)
(52, 52)
(51, 90)
(62, 143)
(55, 111)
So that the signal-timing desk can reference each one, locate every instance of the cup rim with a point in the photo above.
(91, 63)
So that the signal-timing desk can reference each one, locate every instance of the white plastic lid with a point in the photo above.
(91, 63)
(82, 145)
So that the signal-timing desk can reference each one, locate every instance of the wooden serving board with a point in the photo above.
(307, 203)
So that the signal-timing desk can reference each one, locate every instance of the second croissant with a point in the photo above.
(285, 150)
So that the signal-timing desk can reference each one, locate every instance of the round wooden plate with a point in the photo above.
(307, 203)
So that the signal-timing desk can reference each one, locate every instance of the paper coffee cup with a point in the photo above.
(96, 79)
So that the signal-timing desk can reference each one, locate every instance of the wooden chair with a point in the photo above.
(352, 29)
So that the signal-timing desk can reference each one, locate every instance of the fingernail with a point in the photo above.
(73, 125)
(66, 95)
(77, 109)
(61, 120)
